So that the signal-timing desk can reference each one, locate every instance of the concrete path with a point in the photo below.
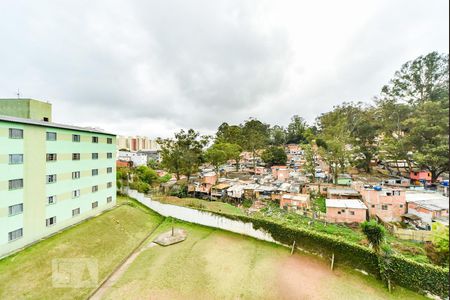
(119, 272)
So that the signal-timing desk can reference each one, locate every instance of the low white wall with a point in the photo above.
(201, 217)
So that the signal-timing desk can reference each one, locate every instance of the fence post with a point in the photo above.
(332, 262)
(293, 247)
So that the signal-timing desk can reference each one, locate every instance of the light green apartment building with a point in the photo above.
(51, 176)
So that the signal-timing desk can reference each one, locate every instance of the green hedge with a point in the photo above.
(400, 270)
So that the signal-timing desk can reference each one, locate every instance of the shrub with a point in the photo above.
(247, 203)
(374, 232)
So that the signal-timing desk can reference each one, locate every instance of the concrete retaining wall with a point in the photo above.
(201, 217)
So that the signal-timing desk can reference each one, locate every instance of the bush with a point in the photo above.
(374, 232)
(247, 203)
(140, 186)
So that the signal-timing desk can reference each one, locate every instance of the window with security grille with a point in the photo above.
(75, 212)
(95, 139)
(109, 140)
(15, 133)
(50, 221)
(109, 155)
(76, 156)
(109, 170)
(76, 175)
(15, 209)
(15, 234)
(50, 178)
(15, 184)
(94, 172)
(109, 199)
(76, 138)
(95, 204)
(15, 159)
(76, 194)
(51, 200)
(94, 155)
(51, 157)
(51, 136)
(109, 185)
(95, 188)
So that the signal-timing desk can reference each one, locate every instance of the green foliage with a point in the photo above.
(438, 250)
(141, 187)
(147, 175)
(184, 154)
(374, 232)
(247, 203)
(310, 165)
(165, 178)
(320, 203)
(274, 156)
(153, 164)
(296, 131)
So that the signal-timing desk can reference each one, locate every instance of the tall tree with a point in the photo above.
(310, 165)
(278, 135)
(232, 136)
(274, 155)
(256, 136)
(296, 130)
(428, 137)
(183, 154)
(424, 78)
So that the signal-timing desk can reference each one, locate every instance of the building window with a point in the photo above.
(339, 212)
(373, 205)
(75, 156)
(401, 205)
(76, 194)
(384, 207)
(50, 221)
(15, 209)
(75, 212)
(94, 172)
(95, 139)
(51, 178)
(109, 185)
(76, 138)
(109, 155)
(51, 157)
(94, 155)
(15, 133)
(109, 199)
(15, 184)
(95, 188)
(109, 170)
(94, 204)
(76, 175)
(15, 234)
(51, 136)
(109, 140)
(352, 213)
(51, 200)
(15, 159)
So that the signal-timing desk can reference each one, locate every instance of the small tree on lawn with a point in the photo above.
(374, 232)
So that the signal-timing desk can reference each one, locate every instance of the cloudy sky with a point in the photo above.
(154, 67)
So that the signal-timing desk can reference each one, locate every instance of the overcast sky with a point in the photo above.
(154, 67)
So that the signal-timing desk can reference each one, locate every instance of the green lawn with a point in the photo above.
(214, 264)
(214, 206)
(108, 239)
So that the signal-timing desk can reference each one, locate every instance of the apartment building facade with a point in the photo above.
(51, 176)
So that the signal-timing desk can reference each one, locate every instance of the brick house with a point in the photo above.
(418, 176)
(346, 211)
(342, 193)
(427, 206)
(280, 172)
(294, 201)
(387, 204)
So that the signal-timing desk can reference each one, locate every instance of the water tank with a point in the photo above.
(377, 188)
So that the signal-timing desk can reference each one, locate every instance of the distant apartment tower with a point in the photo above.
(51, 176)
(136, 143)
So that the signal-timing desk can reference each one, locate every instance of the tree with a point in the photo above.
(183, 154)
(422, 79)
(296, 130)
(256, 136)
(438, 251)
(374, 232)
(147, 175)
(310, 165)
(278, 135)
(232, 136)
(216, 156)
(428, 137)
(274, 156)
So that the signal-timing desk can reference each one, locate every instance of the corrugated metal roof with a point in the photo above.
(50, 124)
(345, 203)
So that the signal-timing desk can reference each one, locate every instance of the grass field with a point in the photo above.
(215, 206)
(214, 264)
(108, 239)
